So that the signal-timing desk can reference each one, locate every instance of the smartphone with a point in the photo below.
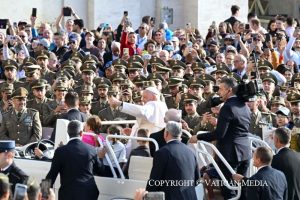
(126, 51)
(11, 37)
(45, 188)
(268, 37)
(189, 25)
(67, 11)
(147, 57)
(247, 27)
(126, 13)
(33, 14)
(3, 23)
(20, 191)
(153, 20)
(154, 196)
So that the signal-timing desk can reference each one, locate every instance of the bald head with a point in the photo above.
(173, 115)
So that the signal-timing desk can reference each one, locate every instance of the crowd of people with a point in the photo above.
(167, 80)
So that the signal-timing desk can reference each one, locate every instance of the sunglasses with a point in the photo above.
(22, 36)
(71, 42)
(141, 27)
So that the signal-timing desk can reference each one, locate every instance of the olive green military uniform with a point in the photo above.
(25, 126)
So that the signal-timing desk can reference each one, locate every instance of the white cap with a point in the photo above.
(153, 90)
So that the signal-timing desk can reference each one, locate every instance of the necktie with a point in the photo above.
(19, 115)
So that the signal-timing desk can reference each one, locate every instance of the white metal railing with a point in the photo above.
(111, 151)
(202, 150)
(258, 140)
(118, 122)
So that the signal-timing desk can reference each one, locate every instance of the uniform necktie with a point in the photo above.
(19, 115)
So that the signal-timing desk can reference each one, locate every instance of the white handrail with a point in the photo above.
(134, 138)
(108, 160)
(118, 122)
(126, 137)
(254, 139)
(211, 159)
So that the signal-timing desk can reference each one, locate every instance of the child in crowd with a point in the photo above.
(141, 150)
(92, 131)
(118, 148)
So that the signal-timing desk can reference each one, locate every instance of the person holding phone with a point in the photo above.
(128, 40)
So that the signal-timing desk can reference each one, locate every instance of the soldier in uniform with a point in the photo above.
(102, 85)
(112, 113)
(33, 74)
(10, 72)
(178, 68)
(134, 69)
(137, 98)
(208, 120)
(88, 74)
(175, 89)
(269, 83)
(294, 99)
(198, 69)
(57, 106)
(139, 83)
(21, 124)
(40, 100)
(159, 66)
(210, 83)
(258, 118)
(6, 103)
(192, 118)
(8, 166)
(196, 86)
(85, 105)
(221, 71)
(42, 60)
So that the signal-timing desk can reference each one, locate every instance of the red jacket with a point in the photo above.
(125, 44)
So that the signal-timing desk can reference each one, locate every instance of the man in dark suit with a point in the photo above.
(75, 162)
(270, 183)
(171, 115)
(287, 161)
(7, 165)
(73, 113)
(175, 162)
(231, 132)
(235, 13)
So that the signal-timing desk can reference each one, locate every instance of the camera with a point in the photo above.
(247, 90)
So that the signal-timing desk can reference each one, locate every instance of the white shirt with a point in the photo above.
(261, 167)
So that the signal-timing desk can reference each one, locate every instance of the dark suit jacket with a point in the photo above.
(72, 114)
(159, 137)
(273, 185)
(288, 161)
(76, 163)
(15, 175)
(231, 20)
(231, 131)
(175, 161)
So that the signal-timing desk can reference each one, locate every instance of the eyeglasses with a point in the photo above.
(71, 42)
(141, 27)
(182, 39)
